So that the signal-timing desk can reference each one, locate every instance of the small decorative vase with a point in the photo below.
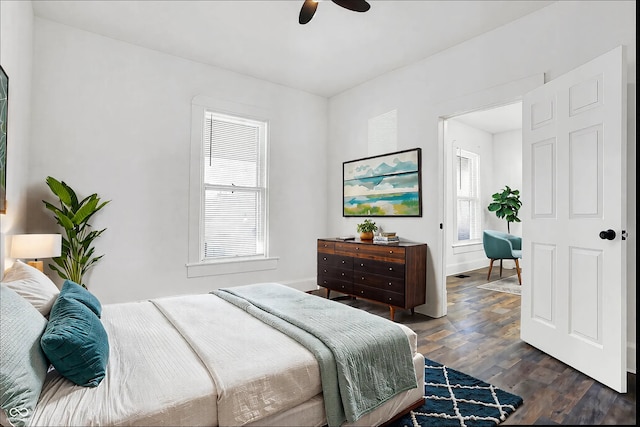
(366, 235)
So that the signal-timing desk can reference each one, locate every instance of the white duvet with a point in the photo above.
(188, 360)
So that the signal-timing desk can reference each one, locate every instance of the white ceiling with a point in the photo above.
(494, 120)
(337, 50)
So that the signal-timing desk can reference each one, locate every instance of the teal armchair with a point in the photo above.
(499, 245)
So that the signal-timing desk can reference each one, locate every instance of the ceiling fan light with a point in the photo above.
(308, 10)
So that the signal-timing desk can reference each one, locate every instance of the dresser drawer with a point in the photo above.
(383, 268)
(336, 285)
(326, 246)
(386, 297)
(392, 284)
(334, 273)
(369, 251)
(338, 261)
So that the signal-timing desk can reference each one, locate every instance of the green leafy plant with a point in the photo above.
(506, 204)
(77, 255)
(367, 226)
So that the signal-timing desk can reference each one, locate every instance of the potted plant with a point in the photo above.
(506, 204)
(366, 229)
(77, 243)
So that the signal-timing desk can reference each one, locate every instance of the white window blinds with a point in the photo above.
(468, 213)
(234, 217)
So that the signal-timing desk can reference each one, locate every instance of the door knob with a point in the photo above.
(608, 234)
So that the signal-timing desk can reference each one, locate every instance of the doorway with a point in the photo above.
(486, 99)
(482, 155)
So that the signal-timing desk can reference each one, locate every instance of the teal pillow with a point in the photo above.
(76, 342)
(72, 290)
(23, 365)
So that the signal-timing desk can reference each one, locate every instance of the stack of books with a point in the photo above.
(386, 237)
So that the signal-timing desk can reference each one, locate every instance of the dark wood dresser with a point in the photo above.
(394, 274)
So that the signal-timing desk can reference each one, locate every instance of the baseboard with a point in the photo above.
(466, 266)
(631, 357)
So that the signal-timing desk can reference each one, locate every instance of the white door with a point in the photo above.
(574, 190)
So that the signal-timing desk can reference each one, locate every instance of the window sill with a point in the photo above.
(473, 246)
(215, 268)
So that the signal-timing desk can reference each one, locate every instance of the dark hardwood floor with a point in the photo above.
(480, 336)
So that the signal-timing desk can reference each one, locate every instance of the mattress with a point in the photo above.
(198, 360)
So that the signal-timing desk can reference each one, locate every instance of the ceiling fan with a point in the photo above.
(309, 8)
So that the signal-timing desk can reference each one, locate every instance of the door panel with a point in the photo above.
(574, 176)
(544, 288)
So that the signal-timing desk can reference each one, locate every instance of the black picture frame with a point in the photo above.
(384, 185)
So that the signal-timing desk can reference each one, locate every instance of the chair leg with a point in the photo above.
(518, 271)
(500, 268)
(490, 267)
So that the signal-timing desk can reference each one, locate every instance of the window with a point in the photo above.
(228, 191)
(234, 190)
(468, 212)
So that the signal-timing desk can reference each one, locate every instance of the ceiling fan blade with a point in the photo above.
(355, 5)
(308, 9)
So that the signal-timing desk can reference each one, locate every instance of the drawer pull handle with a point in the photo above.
(343, 274)
(390, 252)
(343, 261)
(389, 299)
(361, 265)
(325, 271)
(390, 268)
(362, 292)
(324, 258)
(363, 278)
(389, 283)
(357, 248)
(324, 281)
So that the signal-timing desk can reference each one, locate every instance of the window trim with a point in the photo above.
(196, 266)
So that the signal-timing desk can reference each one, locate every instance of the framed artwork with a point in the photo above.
(385, 185)
(4, 107)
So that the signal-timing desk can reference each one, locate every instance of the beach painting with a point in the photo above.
(386, 185)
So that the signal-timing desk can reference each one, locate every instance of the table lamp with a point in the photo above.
(36, 246)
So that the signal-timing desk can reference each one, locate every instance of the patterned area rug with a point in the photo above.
(456, 399)
(509, 285)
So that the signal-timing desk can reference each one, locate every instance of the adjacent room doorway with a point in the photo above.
(482, 155)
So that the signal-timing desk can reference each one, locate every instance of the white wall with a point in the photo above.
(507, 170)
(466, 257)
(552, 41)
(115, 119)
(16, 49)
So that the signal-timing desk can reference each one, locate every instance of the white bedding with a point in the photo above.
(152, 379)
(245, 358)
(198, 360)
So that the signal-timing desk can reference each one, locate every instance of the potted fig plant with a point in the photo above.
(77, 243)
(506, 204)
(366, 229)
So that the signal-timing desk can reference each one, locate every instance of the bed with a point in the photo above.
(227, 358)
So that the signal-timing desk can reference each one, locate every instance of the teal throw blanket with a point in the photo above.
(364, 360)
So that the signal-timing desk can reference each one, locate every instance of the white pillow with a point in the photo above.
(32, 285)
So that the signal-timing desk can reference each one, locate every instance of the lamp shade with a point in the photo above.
(34, 246)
